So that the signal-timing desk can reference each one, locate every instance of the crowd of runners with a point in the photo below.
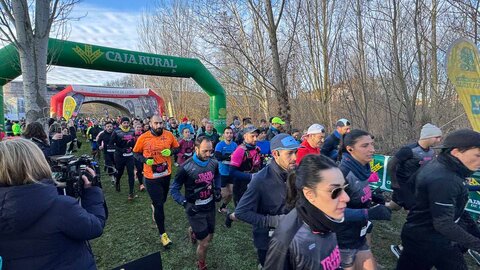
(305, 193)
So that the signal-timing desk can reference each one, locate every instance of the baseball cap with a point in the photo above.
(278, 120)
(343, 122)
(315, 129)
(283, 141)
(462, 138)
(250, 129)
(185, 119)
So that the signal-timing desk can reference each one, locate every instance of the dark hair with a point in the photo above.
(35, 130)
(183, 129)
(201, 139)
(108, 123)
(306, 175)
(295, 130)
(227, 128)
(350, 139)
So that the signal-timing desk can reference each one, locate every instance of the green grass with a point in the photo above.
(130, 234)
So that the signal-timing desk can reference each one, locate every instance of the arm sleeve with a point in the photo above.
(352, 215)
(177, 185)
(238, 175)
(246, 209)
(277, 256)
(442, 199)
(217, 180)
(88, 222)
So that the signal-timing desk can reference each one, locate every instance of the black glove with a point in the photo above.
(218, 195)
(191, 209)
(377, 196)
(379, 212)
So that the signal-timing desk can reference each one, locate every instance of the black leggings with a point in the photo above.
(139, 167)
(158, 191)
(239, 187)
(120, 163)
(109, 162)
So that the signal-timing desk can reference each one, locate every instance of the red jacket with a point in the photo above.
(305, 150)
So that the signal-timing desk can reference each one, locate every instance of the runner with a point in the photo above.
(210, 133)
(404, 164)
(202, 188)
(263, 204)
(305, 238)
(92, 133)
(438, 229)
(154, 148)
(103, 140)
(357, 152)
(123, 140)
(138, 164)
(311, 145)
(187, 146)
(276, 126)
(223, 152)
(330, 146)
(245, 161)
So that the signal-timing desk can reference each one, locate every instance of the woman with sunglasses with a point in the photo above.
(357, 149)
(305, 239)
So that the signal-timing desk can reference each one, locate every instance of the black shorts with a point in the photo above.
(203, 223)
(226, 179)
(404, 197)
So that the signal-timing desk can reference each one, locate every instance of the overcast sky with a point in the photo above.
(111, 23)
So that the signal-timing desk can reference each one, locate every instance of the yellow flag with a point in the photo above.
(463, 69)
(69, 105)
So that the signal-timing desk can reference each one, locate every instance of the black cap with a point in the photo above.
(125, 119)
(463, 138)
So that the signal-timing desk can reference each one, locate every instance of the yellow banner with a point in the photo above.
(463, 69)
(69, 105)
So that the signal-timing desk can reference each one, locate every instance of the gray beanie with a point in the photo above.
(430, 131)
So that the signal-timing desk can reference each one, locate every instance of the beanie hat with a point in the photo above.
(185, 119)
(125, 119)
(430, 131)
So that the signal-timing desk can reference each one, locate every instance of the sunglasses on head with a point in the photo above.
(335, 193)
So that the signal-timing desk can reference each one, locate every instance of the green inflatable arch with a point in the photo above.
(80, 55)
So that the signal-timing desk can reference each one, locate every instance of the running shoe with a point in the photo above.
(166, 242)
(396, 250)
(142, 187)
(228, 220)
(131, 197)
(475, 255)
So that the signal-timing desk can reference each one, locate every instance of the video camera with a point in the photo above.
(68, 170)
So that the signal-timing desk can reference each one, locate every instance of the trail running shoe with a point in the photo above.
(475, 255)
(166, 242)
(201, 265)
(142, 188)
(396, 250)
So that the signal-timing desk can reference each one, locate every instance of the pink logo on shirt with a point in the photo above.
(367, 194)
(332, 261)
(373, 177)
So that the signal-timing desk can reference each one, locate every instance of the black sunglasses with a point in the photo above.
(335, 193)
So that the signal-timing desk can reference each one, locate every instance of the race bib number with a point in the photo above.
(203, 202)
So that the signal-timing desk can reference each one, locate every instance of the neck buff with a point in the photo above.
(315, 218)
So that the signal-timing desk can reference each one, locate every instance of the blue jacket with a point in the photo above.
(265, 198)
(40, 229)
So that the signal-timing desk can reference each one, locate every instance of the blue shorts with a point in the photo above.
(94, 145)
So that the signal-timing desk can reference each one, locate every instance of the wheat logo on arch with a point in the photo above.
(87, 54)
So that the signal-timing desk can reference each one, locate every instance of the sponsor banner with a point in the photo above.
(102, 91)
(464, 72)
(69, 105)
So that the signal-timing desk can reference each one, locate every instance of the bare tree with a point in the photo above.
(31, 40)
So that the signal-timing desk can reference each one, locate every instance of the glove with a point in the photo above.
(190, 209)
(273, 221)
(377, 196)
(218, 195)
(149, 161)
(166, 152)
(379, 212)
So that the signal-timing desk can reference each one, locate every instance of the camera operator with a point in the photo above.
(36, 134)
(40, 229)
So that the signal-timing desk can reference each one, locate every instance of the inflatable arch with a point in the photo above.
(134, 102)
(80, 55)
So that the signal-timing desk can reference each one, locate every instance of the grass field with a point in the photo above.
(130, 234)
